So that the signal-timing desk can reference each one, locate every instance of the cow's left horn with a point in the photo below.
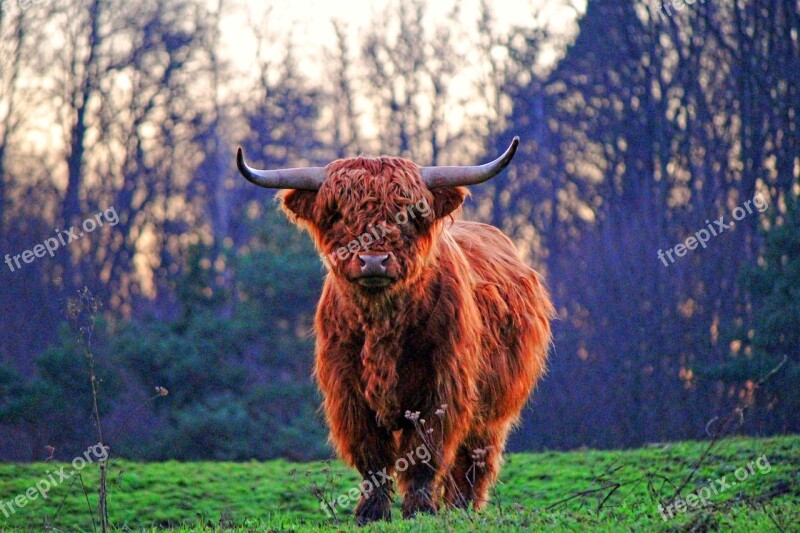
(435, 177)
(309, 179)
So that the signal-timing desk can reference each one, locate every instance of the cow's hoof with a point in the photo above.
(416, 502)
(372, 510)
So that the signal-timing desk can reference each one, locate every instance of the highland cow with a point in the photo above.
(431, 319)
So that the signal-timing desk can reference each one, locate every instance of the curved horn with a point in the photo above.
(435, 177)
(309, 179)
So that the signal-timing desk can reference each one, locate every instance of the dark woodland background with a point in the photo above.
(636, 129)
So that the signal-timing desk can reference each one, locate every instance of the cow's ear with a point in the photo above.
(447, 199)
(298, 204)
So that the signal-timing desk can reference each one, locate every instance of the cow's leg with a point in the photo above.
(475, 468)
(377, 504)
(417, 481)
(360, 442)
(370, 449)
(421, 481)
(374, 465)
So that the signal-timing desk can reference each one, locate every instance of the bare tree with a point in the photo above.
(124, 82)
(344, 117)
(410, 77)
(17, 42)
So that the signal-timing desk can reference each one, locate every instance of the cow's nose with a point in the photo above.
(373, 265)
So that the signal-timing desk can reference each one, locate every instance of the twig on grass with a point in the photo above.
(88, 505)
(324, 493)
(737, 414)
(611, 487)
(64, 499)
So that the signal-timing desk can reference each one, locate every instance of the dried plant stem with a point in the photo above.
(102, 504)
(75, 309)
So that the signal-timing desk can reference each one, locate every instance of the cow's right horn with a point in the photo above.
(308, 179)
(435, 177)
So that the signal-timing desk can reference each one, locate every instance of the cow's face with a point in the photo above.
(374, 221)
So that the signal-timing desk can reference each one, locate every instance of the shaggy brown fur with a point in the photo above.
(464, 324)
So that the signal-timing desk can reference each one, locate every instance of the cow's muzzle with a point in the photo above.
(375, 270)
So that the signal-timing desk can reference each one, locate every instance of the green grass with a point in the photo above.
(275, 496)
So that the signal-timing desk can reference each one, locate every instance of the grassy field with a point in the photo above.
(598, 490)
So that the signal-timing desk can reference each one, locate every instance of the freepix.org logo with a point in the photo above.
(702, 496)
(54, 479)
(701, 237)
(63, 238)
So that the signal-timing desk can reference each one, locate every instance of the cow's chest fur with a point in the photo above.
(397, 373)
